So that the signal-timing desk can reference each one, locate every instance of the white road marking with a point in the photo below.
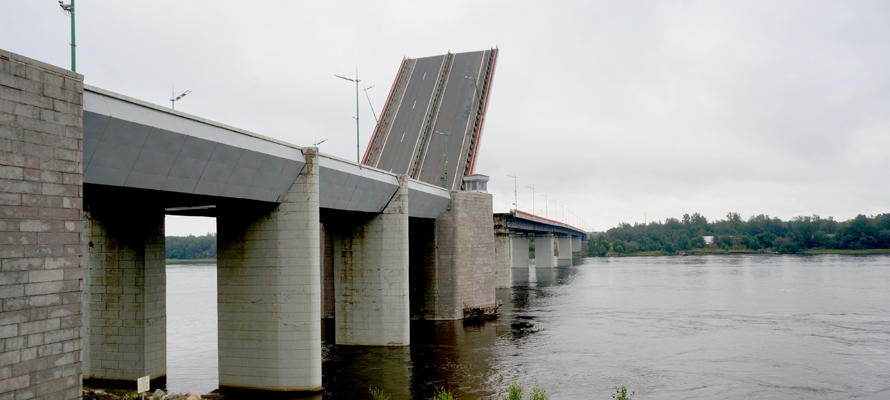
(403, 137)
(424, 76)
(415, 103)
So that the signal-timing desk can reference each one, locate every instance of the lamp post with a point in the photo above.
(532, 187)
(476, 90)
(545, 206)
(69, 8)
(357, 140)
(515, 196)
(446, 158)
(174, 98)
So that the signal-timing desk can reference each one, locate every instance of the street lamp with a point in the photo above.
(515, 196)
(546, 214)
(356, 80)
(176, 98)
(69, 8)
(532, 187)
(476, 90)
(446, 158)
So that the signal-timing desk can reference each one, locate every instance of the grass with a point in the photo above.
(621, 394)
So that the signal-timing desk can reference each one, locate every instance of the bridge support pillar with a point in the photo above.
(455, 276)
(370, 258)
(564, 248)
(269, 290)
(125, 314)
(576, 244)
(520, 251)
(544, 251)
(503, 254)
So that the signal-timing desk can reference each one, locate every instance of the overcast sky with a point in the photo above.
(617, 110)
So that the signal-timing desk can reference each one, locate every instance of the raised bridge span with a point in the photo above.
(435, 101)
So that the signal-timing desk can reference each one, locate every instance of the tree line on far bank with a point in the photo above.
(759, 232)
(191, 247)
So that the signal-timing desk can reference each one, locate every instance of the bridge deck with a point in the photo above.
(446, 94)
(133, 144)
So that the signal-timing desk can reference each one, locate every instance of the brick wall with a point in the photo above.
(41, 133)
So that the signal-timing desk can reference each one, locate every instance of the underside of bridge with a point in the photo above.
(431, 126)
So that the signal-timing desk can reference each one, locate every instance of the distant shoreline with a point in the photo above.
(197, 261)
(708, 252)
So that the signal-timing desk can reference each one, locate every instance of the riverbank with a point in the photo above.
(706, 252)
(196, 261)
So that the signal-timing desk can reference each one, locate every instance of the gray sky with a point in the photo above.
(613, 109)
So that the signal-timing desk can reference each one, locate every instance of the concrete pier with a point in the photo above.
(125, 330)
(544, 251)
(564, 251)
(269, 290)
(453, 269)
(503, 254)
(520, 251)
(576, 244)
(370, 259)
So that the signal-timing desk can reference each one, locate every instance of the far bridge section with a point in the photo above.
(434, 113)
(512, 232)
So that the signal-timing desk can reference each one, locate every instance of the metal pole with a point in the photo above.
(532, 187)
(545, 206)
(73, 42)
(172, 97)
(357, 137)
(515, 191)
(446, 158)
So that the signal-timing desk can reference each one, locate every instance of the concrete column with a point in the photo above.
(371, 274)
(269, 290)
(564, 247)
(503, 254)
(125, 307)
(520, 251)
(455, 272)
(576, 244)
(327, 274)
(544, 251)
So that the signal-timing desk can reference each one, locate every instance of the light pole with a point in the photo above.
(532, 187)
(545, 206)
(356, 80)
(476, 90)
(446, 158)
(174, 98)
(69, 8)
(515, 196)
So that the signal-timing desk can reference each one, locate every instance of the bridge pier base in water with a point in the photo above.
(520, 251)
(454, 273)
(564, 249)
(503, 254)
(269, 291)
(544, 250)
(370, 271)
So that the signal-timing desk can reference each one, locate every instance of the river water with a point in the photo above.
(782, 327)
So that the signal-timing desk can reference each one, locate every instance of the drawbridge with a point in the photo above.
(432, 123)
